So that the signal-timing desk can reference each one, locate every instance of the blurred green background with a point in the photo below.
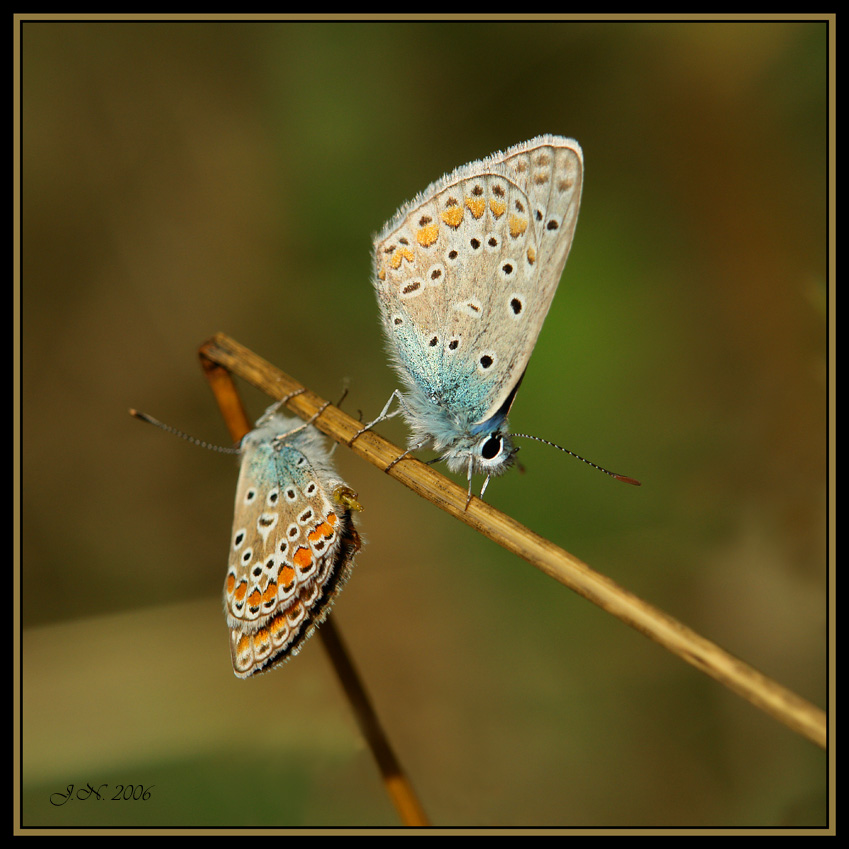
(185, 178)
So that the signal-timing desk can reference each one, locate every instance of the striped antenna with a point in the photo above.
(623, 478)
(193, 439)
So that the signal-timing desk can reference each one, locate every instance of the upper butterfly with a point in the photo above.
(465, 275)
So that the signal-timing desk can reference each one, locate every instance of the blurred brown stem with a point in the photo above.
(394, 778)
(782, 704)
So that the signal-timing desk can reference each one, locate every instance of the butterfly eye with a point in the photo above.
(492, 447)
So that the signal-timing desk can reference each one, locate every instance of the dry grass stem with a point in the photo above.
(395, 780)
(796, 713)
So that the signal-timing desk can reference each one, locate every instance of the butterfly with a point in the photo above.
(293, 543)
(464, 276)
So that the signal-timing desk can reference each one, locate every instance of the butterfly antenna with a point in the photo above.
(623, 478)
(193, 439)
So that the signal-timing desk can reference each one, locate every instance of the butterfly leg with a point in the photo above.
(469, 494)
(384, 414)
(277, 405)
(485, 485)
(483, 488)
(400, 457)
(306, 424)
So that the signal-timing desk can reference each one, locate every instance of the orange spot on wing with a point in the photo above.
(453, 216)
(428, 235)
(477, 206)
(303, 559)
(323, 530)
(270, 593)
(517, 225)
(286, 576)
(399, 256)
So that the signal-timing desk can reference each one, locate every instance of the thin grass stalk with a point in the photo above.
(773, 699)
(395, 780)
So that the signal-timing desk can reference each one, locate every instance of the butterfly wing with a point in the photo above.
(291, 549)
(465, 274)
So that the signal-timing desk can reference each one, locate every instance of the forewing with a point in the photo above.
(465, 274)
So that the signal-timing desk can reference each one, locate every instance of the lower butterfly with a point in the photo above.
(293, 542)
(292, 547)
